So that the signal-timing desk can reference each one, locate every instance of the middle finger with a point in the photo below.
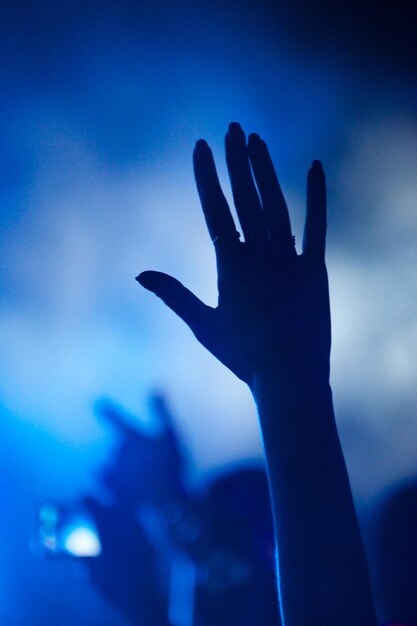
(245, 196)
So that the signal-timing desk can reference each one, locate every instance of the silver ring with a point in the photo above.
(217, 237)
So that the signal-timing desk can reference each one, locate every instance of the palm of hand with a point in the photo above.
(273, 308)
(270, 314)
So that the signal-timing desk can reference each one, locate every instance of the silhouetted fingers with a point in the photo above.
(273, 202)
(180, 299)
(245, 196)
(314, 241)
(216, 211)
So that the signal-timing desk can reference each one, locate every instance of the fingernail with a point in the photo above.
(145, 279)
(234, 127)
(201, 143)
(254, 137)
(316, 165)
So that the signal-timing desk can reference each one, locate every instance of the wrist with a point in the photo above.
(296, 416)
(293, 383)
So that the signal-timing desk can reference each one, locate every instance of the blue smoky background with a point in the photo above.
(101, 105)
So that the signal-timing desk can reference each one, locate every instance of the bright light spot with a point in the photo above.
(82, 541)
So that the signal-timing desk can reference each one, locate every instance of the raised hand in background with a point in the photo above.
(144, 469)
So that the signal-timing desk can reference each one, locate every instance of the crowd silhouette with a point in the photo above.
(171, 554)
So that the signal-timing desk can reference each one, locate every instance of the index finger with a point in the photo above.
(216, 211)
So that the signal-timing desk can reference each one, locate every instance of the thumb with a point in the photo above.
(180, 299)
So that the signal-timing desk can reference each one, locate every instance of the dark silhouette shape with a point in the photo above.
(127, 573)
(396, 555)
(237, 547)
(155, 527)
(272, 329)
(263, 283)
(144, 469)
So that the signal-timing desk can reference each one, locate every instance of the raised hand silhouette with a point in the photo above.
(273, 304)
(272, 329)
